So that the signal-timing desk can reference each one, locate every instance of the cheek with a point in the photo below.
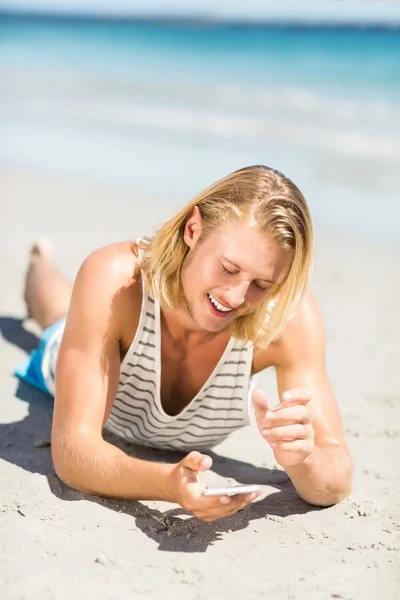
(206, 276)
(254, 299)
(198, 278)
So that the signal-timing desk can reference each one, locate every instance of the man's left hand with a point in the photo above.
(287, 428)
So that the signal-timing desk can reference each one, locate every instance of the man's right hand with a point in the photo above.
(188, 490)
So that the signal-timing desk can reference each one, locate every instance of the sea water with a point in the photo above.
(164, 109)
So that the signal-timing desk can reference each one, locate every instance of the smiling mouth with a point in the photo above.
(220, 308)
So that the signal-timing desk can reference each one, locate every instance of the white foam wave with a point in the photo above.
(302, 118)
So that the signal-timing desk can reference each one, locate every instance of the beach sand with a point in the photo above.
(56, 543)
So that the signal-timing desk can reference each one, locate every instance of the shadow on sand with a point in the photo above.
(26, 444)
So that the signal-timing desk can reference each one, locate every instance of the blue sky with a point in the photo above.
(360, 11)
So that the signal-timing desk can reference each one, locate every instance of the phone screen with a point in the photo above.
(231, 491)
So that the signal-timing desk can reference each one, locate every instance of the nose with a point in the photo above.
(236, 295)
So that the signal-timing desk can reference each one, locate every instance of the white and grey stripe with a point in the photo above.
(219, 408)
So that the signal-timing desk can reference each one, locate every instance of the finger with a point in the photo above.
(226, 504)
(212, 503)
(195, 461)
(296, 447)
(288, 433)
(298, 418)
(286, 415)
(234, 503)
(299, 395)
(219, 505)
(246, 499)
(260, 403)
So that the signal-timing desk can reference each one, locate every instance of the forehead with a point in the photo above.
(249, 248)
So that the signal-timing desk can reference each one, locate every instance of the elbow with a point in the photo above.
(333, 493)
(62, 452)
(329, 497)
(330, 488)
(342, 491)
(324, 498)
(63, 471)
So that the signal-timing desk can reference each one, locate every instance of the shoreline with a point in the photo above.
(10, 175)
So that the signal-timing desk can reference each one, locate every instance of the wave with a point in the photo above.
(358, 128)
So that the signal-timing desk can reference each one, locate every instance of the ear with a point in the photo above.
(193, 227)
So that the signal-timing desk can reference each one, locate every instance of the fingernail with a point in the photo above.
(270, 415)
(273, 444)
(250, 497)
(266, 432)
(225, 499)
(205, 462)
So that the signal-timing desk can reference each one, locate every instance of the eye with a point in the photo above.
(225, 270)
(260, 287)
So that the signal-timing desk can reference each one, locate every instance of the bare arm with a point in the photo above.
(86, 382)
(324, 476)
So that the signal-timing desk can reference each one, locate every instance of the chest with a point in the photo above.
(184, 371)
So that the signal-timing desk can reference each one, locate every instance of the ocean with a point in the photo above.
(164, 109)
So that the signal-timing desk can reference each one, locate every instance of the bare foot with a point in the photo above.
(46, 291)
(40, 255)
(42, 249)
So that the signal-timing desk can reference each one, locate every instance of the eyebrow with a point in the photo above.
(240, 269)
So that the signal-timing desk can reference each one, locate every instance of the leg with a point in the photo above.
(47, 292)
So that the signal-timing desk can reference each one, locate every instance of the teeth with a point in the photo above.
(218, 305)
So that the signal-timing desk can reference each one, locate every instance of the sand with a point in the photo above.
(56, 543)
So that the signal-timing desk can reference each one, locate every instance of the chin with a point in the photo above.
(203, 322)
(207, 326)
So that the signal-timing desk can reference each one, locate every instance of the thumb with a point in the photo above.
(260, 403)
(195, 461)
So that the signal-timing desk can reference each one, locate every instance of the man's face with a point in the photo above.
(229, 274)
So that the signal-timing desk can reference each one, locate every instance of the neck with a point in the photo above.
(182, 328)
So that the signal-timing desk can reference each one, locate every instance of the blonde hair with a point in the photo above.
(256, 195)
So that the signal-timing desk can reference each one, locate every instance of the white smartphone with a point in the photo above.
(231, 491)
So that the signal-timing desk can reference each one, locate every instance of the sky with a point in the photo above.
(351, 11)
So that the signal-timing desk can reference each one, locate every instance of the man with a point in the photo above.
(162, 337)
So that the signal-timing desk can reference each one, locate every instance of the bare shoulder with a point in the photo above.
(303, 339)
(105, 301)
(111, 269)
(116, 263)
(107, 288)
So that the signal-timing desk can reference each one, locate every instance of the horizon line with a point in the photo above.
(199, 20)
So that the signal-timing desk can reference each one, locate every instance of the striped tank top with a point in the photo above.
(219, 408)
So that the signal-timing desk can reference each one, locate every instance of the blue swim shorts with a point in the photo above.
(39, 369)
